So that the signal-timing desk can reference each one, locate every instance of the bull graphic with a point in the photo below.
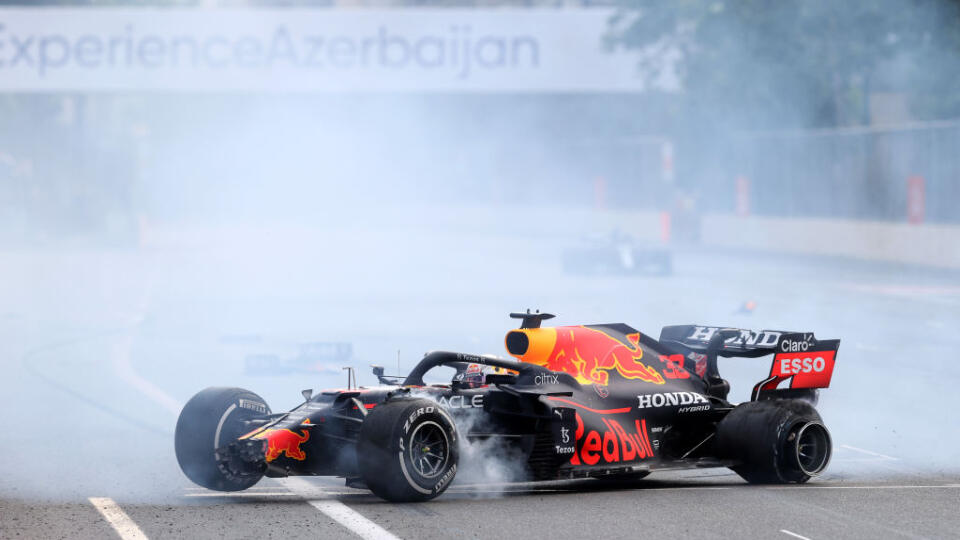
(281, 441)
(589, 354)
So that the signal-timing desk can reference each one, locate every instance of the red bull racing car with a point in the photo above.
(577, 401)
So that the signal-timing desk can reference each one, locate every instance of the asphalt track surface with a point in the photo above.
(102, 348)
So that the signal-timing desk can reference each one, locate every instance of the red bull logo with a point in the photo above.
(588, 354)
(613, 445)
(284, 441)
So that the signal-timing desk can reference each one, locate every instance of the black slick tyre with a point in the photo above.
(213, 419)
(407, 450)
(775, 441)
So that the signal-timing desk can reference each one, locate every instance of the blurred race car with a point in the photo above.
(312, 357)
(578, 401)
(617, 253)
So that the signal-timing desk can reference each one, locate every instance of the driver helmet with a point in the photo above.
(475, 375)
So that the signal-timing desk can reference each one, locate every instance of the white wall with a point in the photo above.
(932, 245)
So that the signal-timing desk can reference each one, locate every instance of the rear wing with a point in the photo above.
(798, 356)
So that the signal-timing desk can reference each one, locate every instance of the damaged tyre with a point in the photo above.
(775, 441)
(211, 420)
(408, 450)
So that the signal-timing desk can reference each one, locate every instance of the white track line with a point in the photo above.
(337, 511)
(315, 496)
(868, 452)
(812, 486)
(117, 518)
(871, 460)
(121, 353)
(244, 494)
(121, 364)
(248, 490)
(793, 534)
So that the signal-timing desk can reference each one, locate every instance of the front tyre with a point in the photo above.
(775, 441)
(211, 420)
(408, 450)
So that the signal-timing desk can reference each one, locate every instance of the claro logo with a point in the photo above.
(790, 345)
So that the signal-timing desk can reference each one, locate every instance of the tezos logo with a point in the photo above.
(565, 447)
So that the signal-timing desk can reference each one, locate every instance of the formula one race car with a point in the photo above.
(616, 254)
(579, 401)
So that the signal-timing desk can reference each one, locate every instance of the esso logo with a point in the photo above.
(793, 366)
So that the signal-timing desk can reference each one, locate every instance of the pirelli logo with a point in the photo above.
(252, 405)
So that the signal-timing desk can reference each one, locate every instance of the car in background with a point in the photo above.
(616, 254)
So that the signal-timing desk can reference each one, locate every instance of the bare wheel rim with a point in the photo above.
(813, 448)
(429, 449)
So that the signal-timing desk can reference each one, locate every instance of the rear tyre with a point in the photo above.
(775, 441)
(212, 419)
(408, 450)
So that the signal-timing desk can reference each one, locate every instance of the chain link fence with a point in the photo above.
(856, 173)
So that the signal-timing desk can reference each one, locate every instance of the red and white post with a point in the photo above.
(743, 196)
(916, 200)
